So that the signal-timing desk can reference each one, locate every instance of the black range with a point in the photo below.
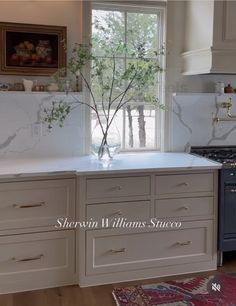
(227, 194)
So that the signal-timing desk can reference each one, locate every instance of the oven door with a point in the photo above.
(230, 211)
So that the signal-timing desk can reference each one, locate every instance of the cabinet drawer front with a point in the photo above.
(109, 251)
(38, 203)
(118, 187)
(185, 207)
(169, 184)
(138, 210)
(36, 260)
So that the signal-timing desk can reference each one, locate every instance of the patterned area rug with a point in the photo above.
(215, 290)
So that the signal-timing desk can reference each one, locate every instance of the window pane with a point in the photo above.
(115, 130)
(142, 31)
(102, 78)
(108, 30)
(137, 123)
(140, 124)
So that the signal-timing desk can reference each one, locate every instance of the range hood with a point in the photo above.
(210, 37)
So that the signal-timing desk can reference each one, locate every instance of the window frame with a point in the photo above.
(160, 9)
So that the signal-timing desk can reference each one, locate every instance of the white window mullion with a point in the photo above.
(125, 66)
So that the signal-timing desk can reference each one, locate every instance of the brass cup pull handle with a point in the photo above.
(28, 205)
(184, 243)
(183, 184)
(121, 250)
(28, 258)
(116, 213)
(118, 187)
(115, 188)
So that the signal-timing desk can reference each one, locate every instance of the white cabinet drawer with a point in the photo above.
(37, 203)
(184, 183)
(184, 207)
(32, 261)
(117, 187)
(110, 251)
(137, 210)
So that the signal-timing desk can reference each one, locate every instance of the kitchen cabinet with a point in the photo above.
(210, 37)
(33, 253)
(37, 253)
(130, 245)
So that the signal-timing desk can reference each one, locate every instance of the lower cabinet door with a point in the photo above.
(39, 260)
(112, 250)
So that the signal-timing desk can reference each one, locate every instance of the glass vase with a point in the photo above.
(105, 147)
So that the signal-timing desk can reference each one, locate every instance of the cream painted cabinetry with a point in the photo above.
(121, 240)
(131, 245)
(210, 37)
(33, 254)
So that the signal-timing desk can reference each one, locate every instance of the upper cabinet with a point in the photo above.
(210, 37)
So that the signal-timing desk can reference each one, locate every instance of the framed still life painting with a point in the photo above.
(27, 49)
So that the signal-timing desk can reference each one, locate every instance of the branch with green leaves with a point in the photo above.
(111, 84)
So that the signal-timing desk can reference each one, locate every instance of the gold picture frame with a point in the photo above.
(29, 49)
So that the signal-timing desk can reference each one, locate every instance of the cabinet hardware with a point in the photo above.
(184, 207)
(233, 190)
(119, 213)
(122, 250)
(118, 187)
(184, 243)
(28, 205)
(184, 184)
(28, 258)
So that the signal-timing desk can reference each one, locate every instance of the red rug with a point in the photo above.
(219, 290)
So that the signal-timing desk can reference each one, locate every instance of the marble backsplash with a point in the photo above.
(23, 135)
(192, 121)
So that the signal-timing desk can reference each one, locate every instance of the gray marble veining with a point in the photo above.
(22, 133)
(193, 125)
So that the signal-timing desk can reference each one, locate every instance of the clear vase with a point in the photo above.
(106, 147)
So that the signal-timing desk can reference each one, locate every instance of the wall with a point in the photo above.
(192, 124)
(175, 81)
(64, 13)
(69, 13)
(23, 135)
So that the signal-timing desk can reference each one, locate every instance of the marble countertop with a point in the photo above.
(87, 165)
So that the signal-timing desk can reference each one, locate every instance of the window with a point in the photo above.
(139, 124)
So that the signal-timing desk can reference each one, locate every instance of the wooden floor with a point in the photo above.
(93, 296)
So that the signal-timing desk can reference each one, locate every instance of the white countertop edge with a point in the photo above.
(146, 170)
(100, 172)
(122, 164)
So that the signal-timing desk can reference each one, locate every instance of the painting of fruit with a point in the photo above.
(31, 49)
(35, 52)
